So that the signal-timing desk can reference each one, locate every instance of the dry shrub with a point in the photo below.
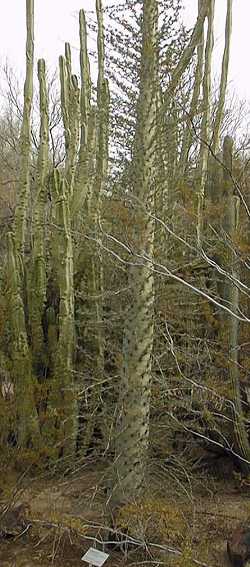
(153, 520)
(183, 560)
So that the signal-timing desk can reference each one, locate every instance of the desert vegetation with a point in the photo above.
(124, 305)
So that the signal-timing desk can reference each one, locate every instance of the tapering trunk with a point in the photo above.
(162, 196)
(134, 404)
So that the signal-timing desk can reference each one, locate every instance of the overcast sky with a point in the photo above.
(56, 22)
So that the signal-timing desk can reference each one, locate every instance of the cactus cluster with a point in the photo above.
(42, 262)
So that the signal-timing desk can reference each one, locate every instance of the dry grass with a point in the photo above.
(68, 516)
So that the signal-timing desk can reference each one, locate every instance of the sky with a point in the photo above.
(56, 22)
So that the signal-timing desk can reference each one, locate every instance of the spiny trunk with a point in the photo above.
(134, 404)
(162, 195)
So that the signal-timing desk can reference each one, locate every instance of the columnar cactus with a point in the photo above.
(80, 162)
(223, 80)
(27, 420)
(189, 49)
(231, 295)
(38, 278)
(25, 136)
(102, 108)
(206, 121)
(63, 400)
(94, 270)
(85, 78)
(187, 136)
(70, 99)
(84, 172)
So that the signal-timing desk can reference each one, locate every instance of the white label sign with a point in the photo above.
(95, 557)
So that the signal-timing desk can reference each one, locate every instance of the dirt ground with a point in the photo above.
(68, 515)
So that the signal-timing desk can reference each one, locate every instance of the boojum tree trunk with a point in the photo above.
(134, 405)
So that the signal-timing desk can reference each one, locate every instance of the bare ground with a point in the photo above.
(69, 515)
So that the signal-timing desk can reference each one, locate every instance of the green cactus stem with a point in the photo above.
(25, 136)
(27, 420)
(63, 394)
(38, 278)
